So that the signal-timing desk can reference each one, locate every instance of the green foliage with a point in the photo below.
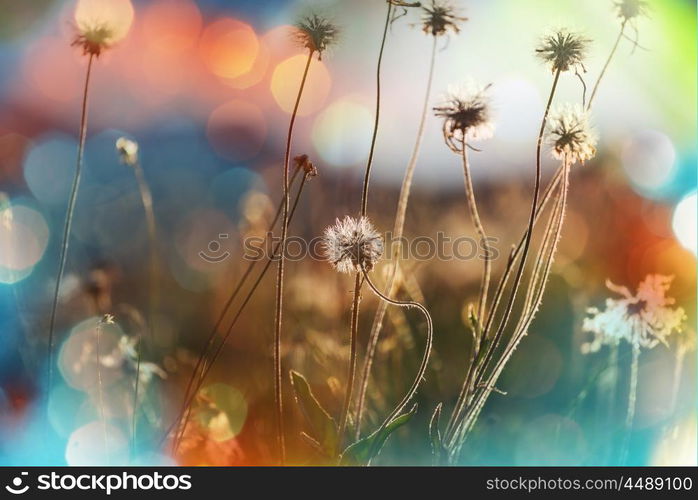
(324, 429)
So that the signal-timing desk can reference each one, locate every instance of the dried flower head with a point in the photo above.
(101, 23)
(466, 114)
(352, 245)
(563, 50)
(316, 33)
(628, 10)
(570, 134)
(128, 151)
(107, 319)
(441, 17)
(303, 162)
(644, 319)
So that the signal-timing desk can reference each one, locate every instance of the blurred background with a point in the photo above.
(206, 88)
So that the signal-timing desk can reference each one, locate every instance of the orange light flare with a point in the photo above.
(229, 48)
(170, 32)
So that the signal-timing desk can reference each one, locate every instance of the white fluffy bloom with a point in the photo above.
(570, 134)
(466, 113)
(352, 245)
(125, 356)
(644, 319)
(128, 150)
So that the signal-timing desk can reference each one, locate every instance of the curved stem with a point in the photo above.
(369, 162)
(397, 232)
(278, 397)
(475, 216)
(68, 222)
(425, 359)
(185, 411)
(605, 66)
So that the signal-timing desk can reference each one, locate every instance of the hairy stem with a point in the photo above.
(398, 229)
(68, 223)
(351, 370)
(632, 403)
(278, 396)
(527, 241)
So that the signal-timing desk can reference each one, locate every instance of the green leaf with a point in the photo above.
(363, 451)
(323, 427)
(437, 446)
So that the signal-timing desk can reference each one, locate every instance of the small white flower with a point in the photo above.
(570, 134)
(466, 113)
(352, 245)
(128, 150)
(644, 319)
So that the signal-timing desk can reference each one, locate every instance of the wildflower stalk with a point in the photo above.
(608, 62)
(632, 402)
(280, 271)
(147, 201)
(529, 233)
(390, 287)
(68, 222)
(364, 207)
(100, 392)
(182, 418)
(200, 365)
(484, 287)
(536, 288)
(425, 358)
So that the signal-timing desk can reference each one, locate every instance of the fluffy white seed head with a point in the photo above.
(352, 245)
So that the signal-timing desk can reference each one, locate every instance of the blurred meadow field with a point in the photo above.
(147, 340)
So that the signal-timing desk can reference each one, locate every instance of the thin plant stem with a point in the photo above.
(351, 370)
(425, 358)
(475, 216)
(100, 392)
(278, 396)
(147, 201)
(484, 286)
(529, 233)
(606, 65)
(200, 365)
(353, 335)
(68, 222)
(397, 231)
(553, 230)
(632, 403)
(374, 136)
(185, 411)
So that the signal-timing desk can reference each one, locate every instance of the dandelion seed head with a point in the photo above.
(570, 134)
(440, 18)
(316, 33)
(628, 10)
(128, 151)
(466, 114)
(352, 245)
(645, 318)
(101, 23)
(564, 50)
